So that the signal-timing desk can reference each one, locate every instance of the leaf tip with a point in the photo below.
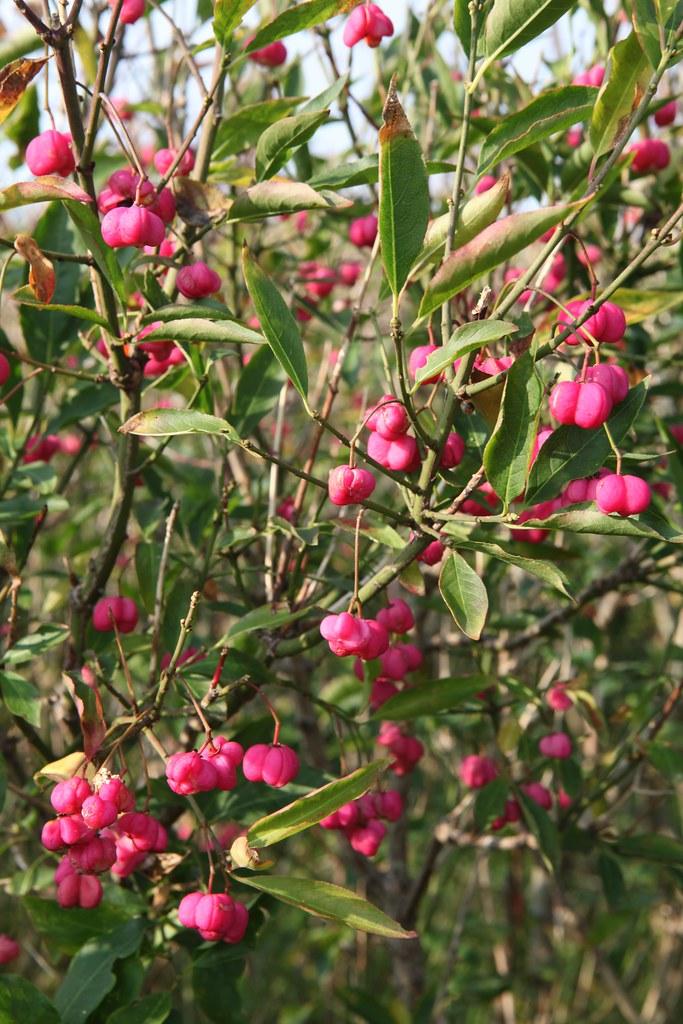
(394, 116)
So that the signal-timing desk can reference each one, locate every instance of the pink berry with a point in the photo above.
(190, 773)
(432, 554)
(350, 486)
(587, 404)
(417, 358)
(558, 698)
(367, 839)
(5, 369)
(41, 449)
(349, 272)
(346, 634)
(613, 378)
(484, 184)
(224, 756)
(390, 805)
(563, 799)
(363, 230)
(389, 419)
(123, 611)
(382, 690)
(557, 745)
(396, 617)
(188, 908)
(539, 794)
(67, 797)
(51, 835)
(666, 114)
(453, 452)
(213, 916)
(83, 891)
(626, 495)
(589, 254)
(73, 829)
(270, 56)
(130, 11)
(198, 281)
(240, 921)
(51, 153)
(9, 949)
(320, 280)
(476, 771)
(165, 158)
(94, 856)
(132, 226)
(401, 455)
(98, 813)
(369, 22)
(276, 765)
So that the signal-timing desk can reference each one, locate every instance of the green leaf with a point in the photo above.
(494, 245)
(656, 849)
(279, 140)
(87, 401)
(360, 172)
(257, 390)
(540, 568)
(490, 802)
(241, 130)
(430, 698)
(512, 23)
(612, 879)
(327, 97)
(296, 19)
(620, 94)
(277, 323)
(3, 782)
(154, 1009)
(640, 303)
(403, 193)
(646, 24)
(25, 298)
(466, 338)
(21, 697)
(40, 190)
(90, 976)
(508, 452)
(227, 16)
(68, 932)
(465, 595)
(147, 559)
(170, 422)
(312, 808)
(572, 453)
(552, 111)
(462, 23)
(20, 1001)
(273, 198)
(647, 524)
(330, 902)
(32, 645)
(88, 226)
(205, 332)
(269, 616)
(541, 825)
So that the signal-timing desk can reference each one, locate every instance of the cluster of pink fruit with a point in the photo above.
(360, 821)
(216, 916)
(215, 765)
(101, 831)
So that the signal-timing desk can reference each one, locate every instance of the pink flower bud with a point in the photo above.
(350, 486)
(476, 771)
(276, 765)
(51, 153)
(198, 281)
(368, 22)
(625, 495)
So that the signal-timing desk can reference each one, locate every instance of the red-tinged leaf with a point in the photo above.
(496, 244)
(90, 713)
(40, 190)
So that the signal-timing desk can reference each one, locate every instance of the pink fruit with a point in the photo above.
(432, 554)
(401, 455)
(396, 617)
(123, 611)
(144, 832)
(592, 76)
(320, 280)
(188, 909)
(5, 369)
(240, 921)
(626, 495)
(189, 773)
(132, 226)
(350, 486)
(557, 745)
(389, 805)
(270, 56)
(213, 916)
(587, 405)
(51, 153)
(589, 254)
(346, 634)
(41, 449)
(484, 184)
(368, 22)
(417, 358)
(198, 281)
(83, 891)
(67, 797)
(557, 697)
(274, 764)
(539, 794)
(613, 378)
(377, 641)
(224, 756)
(130, 11)
(649, 155)
(453, 451)
(98, 813)
(666, 114)
(363, 230)
(382, 690)
(94, 856)
(9, 949)
(367, 839)
(165, 158)
(51, 835)
(476, 771)
(389, 419)
(349, 272)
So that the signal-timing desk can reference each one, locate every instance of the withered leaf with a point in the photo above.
(14, 79)
(41, 275)
(199, 204)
